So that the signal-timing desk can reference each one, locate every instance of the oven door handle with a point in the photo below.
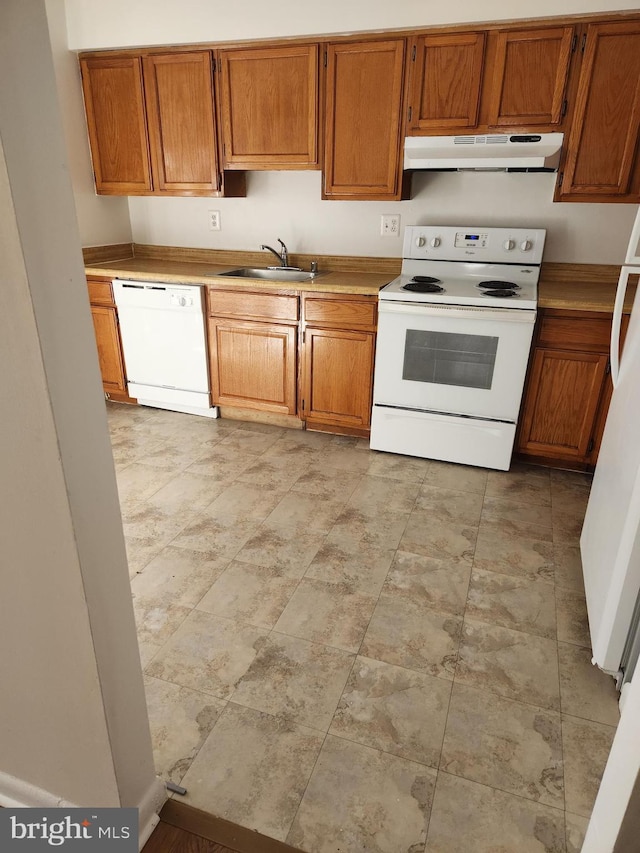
(509, 315)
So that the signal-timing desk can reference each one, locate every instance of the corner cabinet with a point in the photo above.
(339, 333)
(151, 123)
(269, 107)
(568, 389)
(602, 161)
(363, 120)
(105, 324)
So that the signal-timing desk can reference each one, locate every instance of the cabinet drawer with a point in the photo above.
(100, 292)
(252, 305)
(588, 334)
(341, 313)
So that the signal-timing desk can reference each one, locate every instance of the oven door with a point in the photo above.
(452, 360)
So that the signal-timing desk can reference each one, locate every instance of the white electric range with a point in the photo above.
(454, 336)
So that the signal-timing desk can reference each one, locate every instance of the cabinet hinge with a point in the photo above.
(413, 54)
(410, 113)
(591, 445)
(560, 179)
(563, 112)
(584, 43)
(574, 43)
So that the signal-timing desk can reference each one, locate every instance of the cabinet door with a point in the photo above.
(603, 142)
(363, 120)
(338, 377)
(270, 107)
(253, 365)
(445, 83)
(179, 99)
(561, 403)
(105, 324)
(530, 77)
(114, 103)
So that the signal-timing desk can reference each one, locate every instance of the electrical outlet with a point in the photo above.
(390, 225)
(214, 220)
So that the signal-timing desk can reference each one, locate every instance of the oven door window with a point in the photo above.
(448, 358)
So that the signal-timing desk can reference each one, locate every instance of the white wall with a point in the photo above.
(74, 721)
(120, 23)
(288, 204)
(101, 219)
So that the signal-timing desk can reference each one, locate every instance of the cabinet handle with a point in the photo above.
(574, 43)
(584, 42)
(591, 445)
(413, 54)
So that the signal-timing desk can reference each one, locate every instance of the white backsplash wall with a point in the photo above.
(288, 205)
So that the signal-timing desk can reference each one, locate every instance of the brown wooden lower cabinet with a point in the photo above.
(253, 365)
(336, 385)
(568, 389)
(105, 323)
(255, 349)
(337, 361)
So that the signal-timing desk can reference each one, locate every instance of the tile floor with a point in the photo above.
(356, 652)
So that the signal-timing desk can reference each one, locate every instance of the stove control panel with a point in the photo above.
(490, 245)
(464, 240)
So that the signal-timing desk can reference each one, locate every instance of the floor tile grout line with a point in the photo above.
(561, 811)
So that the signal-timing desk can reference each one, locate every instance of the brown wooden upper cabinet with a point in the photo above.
(486, 81)
(602, 162)
(446, 81)
(530, 73)
(151, 123)
(116, 119)
(364, 96)
(269, 106)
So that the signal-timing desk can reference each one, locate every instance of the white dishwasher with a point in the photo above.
(163, 339)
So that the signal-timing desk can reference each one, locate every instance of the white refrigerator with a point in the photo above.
(610, 541)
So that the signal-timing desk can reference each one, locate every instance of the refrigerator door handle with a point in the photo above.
(614, 348)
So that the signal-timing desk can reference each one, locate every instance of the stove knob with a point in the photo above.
(509, 245)
(435, 242)
(526, 245)
(420, 241)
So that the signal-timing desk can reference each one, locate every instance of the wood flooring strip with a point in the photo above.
(171, 839)
(216, 829)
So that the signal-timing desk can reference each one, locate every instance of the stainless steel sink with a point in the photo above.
(276, 274)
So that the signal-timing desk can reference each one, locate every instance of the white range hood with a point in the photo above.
(489, 152)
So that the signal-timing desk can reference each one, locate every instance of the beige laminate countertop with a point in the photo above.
(573, 287)
(582, 287)
(148, 269)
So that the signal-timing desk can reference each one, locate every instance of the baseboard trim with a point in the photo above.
(222, 831)
(148, 808)
(17, 794)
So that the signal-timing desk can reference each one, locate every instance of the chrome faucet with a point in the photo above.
(283, 256)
